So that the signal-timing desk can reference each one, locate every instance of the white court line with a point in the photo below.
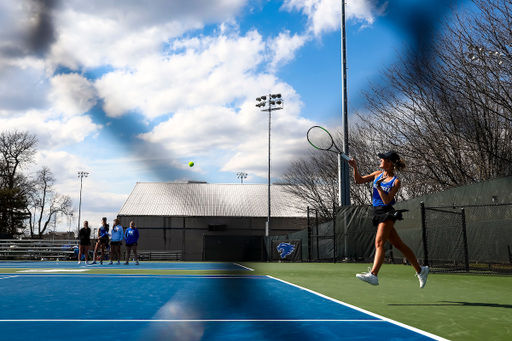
(206, 320)
(244, 267)
(74, 275)
(54, 270)
(9, 277)
(419, 331)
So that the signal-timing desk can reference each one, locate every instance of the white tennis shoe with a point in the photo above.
(422, 276)
(368, 277)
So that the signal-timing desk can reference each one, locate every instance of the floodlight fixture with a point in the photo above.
(258, 99)
(241, 176)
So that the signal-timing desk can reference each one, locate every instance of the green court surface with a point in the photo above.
(456, 307)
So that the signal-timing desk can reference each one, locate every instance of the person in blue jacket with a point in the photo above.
(385, 187)
(131, 236)
(116, 240)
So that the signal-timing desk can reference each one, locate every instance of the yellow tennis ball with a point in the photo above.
(191, 164)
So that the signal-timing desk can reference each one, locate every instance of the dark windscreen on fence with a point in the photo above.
(472, 239)
(466, 237)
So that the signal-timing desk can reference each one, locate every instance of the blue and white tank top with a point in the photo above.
(386, 187)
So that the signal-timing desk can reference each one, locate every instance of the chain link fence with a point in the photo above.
(471, 239)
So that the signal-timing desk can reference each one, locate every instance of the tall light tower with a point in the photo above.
(81, 175)
(343, 171)
(273, 102)
(241, 176)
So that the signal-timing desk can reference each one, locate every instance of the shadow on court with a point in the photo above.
(461, 304)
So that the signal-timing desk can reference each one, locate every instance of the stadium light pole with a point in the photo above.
(343, 171)
(273, 102)
(241, 176)
(81, 175)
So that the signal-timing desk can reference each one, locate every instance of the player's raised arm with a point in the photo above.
(359, 179)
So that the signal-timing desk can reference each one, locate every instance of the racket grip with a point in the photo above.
(345, 157)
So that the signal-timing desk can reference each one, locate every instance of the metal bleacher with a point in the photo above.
(29, 249)
(48, 249)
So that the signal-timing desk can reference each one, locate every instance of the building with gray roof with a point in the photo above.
(187, 217)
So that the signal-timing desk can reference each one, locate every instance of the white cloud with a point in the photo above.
(72, 94)
(284, 46)
(118, 33)
(211, 71)
(235, 139)
(324, 15)
(51, 129)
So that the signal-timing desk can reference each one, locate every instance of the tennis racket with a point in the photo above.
(320, 138)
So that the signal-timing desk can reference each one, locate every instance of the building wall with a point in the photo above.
(186, 234)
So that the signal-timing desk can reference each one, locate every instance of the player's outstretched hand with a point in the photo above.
(352, 163)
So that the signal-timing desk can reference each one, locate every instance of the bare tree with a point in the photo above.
(47, 204)
(444, 113)
(17, 150)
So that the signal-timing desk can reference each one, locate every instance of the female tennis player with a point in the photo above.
(385, 187)
(84, 235)
(102, 240)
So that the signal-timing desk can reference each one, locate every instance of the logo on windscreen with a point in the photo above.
(285, 249)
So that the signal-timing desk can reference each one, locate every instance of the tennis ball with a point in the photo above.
(191, 164)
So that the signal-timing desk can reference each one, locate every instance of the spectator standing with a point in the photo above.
(84, 236)
(117, 236)
(131, 236)
(102, 240)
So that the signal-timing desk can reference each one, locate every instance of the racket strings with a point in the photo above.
(320, 138)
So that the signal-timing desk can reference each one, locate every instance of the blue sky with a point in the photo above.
(132, 92)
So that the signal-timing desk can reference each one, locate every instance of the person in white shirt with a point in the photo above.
(116, 240)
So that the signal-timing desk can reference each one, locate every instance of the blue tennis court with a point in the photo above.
(177, 307)
(142, 266)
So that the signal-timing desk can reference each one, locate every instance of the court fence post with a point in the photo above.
(183, 242)
(317, 245)
(465, 239)
(424, 233)
(334, 232)
(309, 237)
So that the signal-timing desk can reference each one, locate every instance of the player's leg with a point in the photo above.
(86, 254)
(95, 252)
(383, 231)
(421, 271)
(136, 255)
(395, 240)
(80, 249)
(102, 257)
(128, 251)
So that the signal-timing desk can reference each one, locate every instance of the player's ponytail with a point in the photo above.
(400, 165)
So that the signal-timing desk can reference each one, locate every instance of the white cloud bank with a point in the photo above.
(201, 88)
